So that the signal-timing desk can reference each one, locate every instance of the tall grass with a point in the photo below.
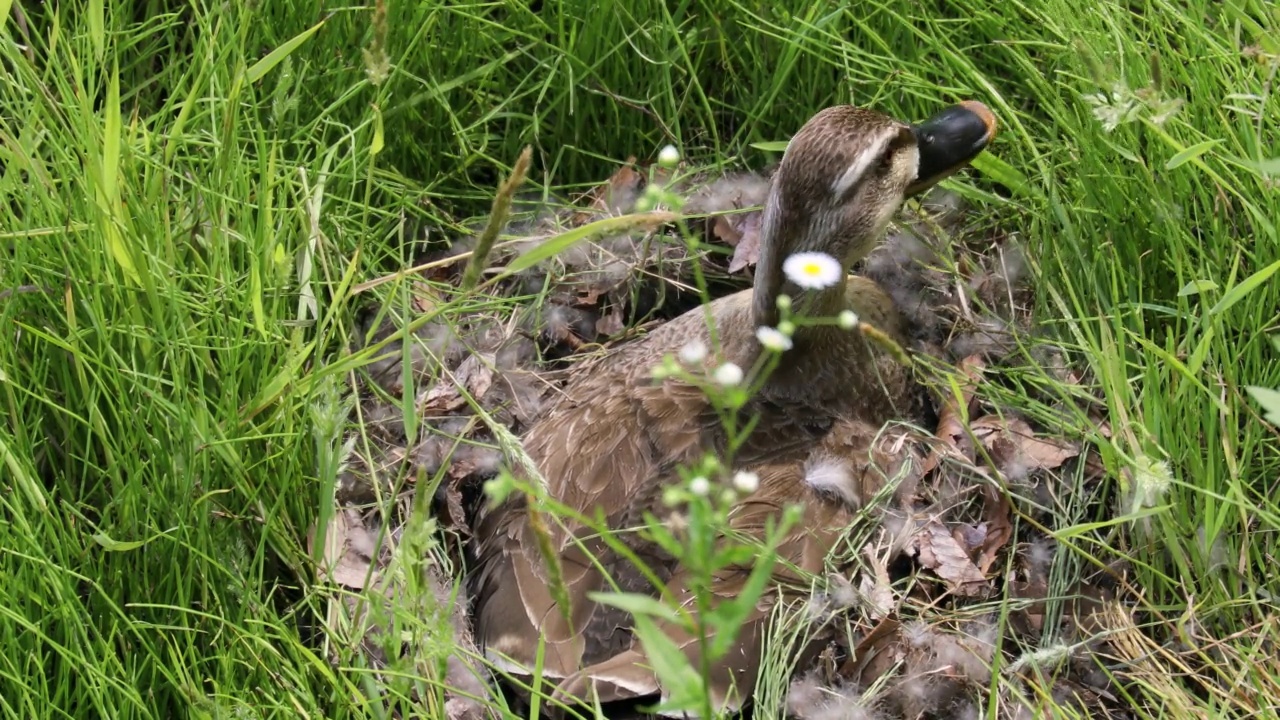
(189, 191)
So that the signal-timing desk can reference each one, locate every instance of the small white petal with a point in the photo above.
(700, 486)
(812, 270)
(773, 339)
(728, 374)
(746, 482)
(669, 156)
(693, 353)
(848, 319)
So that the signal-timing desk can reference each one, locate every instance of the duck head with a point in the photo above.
(842, 177)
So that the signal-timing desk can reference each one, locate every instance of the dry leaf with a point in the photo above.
(349, 549)
(723, 229)
(876, 587)
(1028, 617)
(951, 421)
(443, 397)
(746, 252)
(1013, 444)
(425, 299)
(453, 505)
(588, 296)
(480, 382)
(875, 655)
(938, 551)
(474, 374)
(609, 324)
(615, 195)
(970, 537)
(996, 512)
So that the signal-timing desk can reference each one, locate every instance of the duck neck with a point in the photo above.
(771, 281)
(826, 303)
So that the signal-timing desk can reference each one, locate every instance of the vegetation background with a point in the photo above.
(189, 190)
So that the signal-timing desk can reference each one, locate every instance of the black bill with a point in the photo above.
(950, 140)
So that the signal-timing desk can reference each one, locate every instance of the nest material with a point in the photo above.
(947, 539)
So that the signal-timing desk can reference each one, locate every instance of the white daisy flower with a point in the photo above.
(700, 486)
(773, 339)
(693, 352)
(848, 319)
(728, 374)
(669, 156)
(746, 482)
(812, 270)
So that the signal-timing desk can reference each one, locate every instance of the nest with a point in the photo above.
(912, 608)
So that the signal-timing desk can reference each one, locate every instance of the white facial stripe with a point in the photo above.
(865, 160)
(910, 166)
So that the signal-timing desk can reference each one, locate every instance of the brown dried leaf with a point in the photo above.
(349, 549)
(608, 197)
(938, 551)
(589, 296)
(876, 586)
(1028, 617)
(1012, 441)
(443, 397)
(453, 506)
(722, 229)
(951, 427)
(746, 252)
(474, 374)
(425, 299)
(996, 512)
(875, 655)
(609, 324)
(970, 537)
(480, 382)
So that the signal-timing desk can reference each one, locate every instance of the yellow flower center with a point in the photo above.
(812, 268)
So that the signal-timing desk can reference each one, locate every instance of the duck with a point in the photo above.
(615, 437)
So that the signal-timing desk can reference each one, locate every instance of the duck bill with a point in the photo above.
(950, 140)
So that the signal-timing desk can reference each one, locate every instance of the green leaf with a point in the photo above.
(379, 139)
(97, 27)
(636, 604)
(109, 193)
(1195, 287)
(1266, 167)
(730, 617)
(680, 680)
(772, 146)
(1268, 400)
(276, 386)
(111, 545)
(559, 243)
(1002, 172)
(275, 57)
(1188, 154)
(1248, 285)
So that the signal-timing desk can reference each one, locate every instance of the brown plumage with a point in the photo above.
(614, 439)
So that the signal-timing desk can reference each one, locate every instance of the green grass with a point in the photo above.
(176, 178)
